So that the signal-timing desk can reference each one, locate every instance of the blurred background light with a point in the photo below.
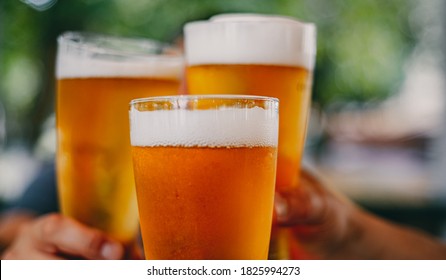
(40, 5)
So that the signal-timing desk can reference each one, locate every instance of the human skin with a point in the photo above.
(326, 225)
(329, 226)
(55, 236)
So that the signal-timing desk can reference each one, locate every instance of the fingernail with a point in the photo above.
(281, 207)
(111, 251)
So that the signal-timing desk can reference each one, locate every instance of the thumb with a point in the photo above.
(299, 206)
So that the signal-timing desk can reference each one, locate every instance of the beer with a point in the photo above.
(289, 84)
(260, 55)
(205, 180)
(94, 168)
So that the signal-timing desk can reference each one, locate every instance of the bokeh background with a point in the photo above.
(377, 124)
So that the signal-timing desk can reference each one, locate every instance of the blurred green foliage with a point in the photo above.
(362, 45)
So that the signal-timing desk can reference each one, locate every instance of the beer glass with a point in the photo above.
(205, 171)
(97, 76)
(261, 55)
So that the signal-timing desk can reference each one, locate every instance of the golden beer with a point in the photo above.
(94, 168)
(260, 55)
(205, 178)
(290, 84)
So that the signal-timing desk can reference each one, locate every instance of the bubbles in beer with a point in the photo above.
(230, 127)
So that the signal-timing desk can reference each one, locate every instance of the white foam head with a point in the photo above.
(229, 127)
(82, 55)
(250, 39)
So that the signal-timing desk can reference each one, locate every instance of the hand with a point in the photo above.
(329, 226)
(321, 220)
(57, 237)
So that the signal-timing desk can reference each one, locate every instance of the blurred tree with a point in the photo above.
(362, 45)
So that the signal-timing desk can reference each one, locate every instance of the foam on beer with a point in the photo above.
(250, 39)
(231, 127)
(82, 55)
(87, 65)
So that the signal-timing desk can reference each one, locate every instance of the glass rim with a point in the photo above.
(203, 96)
(254, 19)
(87, 41)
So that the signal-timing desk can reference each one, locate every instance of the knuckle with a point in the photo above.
(94, 244)
(51, 224)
